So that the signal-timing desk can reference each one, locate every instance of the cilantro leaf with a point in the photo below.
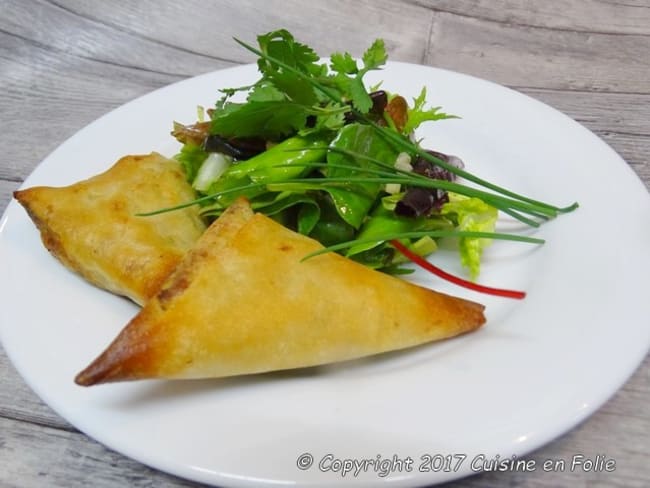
(296, 89)
(229, 92)
(343, 63)
(330, 118)
(265, 92)
(272, 119)
(281, 45)
(375, 55)
(360, 98)
(280, 103)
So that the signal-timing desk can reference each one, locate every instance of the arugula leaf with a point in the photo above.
(418, 114)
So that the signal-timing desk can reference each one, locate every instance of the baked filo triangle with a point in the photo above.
(92, 226)
(244, 300)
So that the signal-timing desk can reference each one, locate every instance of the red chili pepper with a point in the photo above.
(420, 261)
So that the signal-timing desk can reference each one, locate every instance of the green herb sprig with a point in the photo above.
(335, 154)
(402, 143)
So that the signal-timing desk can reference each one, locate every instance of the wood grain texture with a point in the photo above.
(6, 189)
(68, 459)
(63, 63)
(531, 56)
(589, 16)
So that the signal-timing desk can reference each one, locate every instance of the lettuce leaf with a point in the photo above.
(471, 214)
(191, 158)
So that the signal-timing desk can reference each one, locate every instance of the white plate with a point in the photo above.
(536, 369)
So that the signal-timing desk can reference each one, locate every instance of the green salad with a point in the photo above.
(312, 147)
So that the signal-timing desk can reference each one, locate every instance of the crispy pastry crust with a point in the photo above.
(92, 226)
(243, 301)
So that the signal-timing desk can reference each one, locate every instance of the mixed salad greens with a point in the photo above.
(313, 148)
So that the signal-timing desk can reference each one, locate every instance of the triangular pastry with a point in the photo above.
(244, 301)
(92, 226)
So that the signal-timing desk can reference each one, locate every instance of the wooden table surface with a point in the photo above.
(63, 63)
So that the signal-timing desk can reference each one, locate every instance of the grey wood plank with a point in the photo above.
(68, 459)
(109, 46)
(592, 16)
(531, 56)
(616, 112)
(65, 104)
(162, 38)
(19, 402)
(6, 189)
(327, 26)
(632, 149)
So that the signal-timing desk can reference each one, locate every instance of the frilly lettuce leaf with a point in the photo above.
(419, 114)
(471, 214)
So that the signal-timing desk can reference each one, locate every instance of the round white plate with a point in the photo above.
(536, 369)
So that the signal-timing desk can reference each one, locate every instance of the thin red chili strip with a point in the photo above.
(420, 261)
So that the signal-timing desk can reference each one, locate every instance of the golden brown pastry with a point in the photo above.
(93, 229)
(243, 301)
